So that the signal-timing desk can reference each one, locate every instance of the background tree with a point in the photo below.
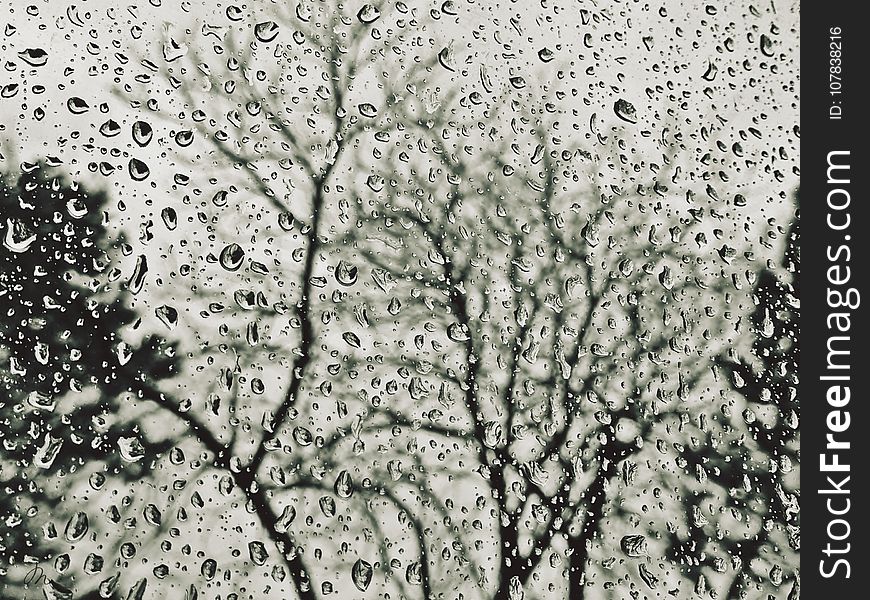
(71, 359)
(541, 325)
(753, 453)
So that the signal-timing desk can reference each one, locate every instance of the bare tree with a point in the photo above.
(549, 325)
(278, 112)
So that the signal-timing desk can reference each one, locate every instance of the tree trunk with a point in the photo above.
(506, 574)
(268, 519)
(510, 566)
(580, 544)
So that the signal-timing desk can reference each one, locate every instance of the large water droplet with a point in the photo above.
(362, 573)
(266, 31)
(137, 279)
(35, 57)
(368, 14)
(76, 527)
(131, 449)
(18, 237)
(41, 401)
(142, 133)
(447, 59)
(257, 552)
(139, 171)
(232, 257)
(346, 273)
(167, 315)
(46, 453)
(343, 485)
(55, 591)
(172, 50)
(286, 518)
(110, 128)
(77, 106)
(634, 546)
(625, 111)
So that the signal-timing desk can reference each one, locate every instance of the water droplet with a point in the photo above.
(766, 45)
(625, 111)
(447, 58)
(110, 128)
(285, 221)
(346, 273)
(343, 485)
(634, 546)
(368, 110)
(55, 591)
(257, 552)
(184, 138)
(368, 14)
(302, 436)
(414, 573)
(286, 518)
(18, 237)
(167, 315)
(93, 564)
(172, 50)
(170, 218)
(458, 332)
(232, 257)
(327, 506)
(209, 569)
(375, 182)
(352, 339)
(131, 449)
(266, 31)
(139, 171)
(137, 279)
(384, 280)
(152, 515)
(46, 453)
(137, 592)
(108, 586)
(76, 527)
(362, 573)
(35, 57)
(77, 106)
(142, 133)
(710, 73)
(41, 401)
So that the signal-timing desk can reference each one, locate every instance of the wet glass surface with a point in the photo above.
(468, 299)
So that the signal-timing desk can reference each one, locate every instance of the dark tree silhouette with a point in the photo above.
(71, 358)
(298, 173)
(551, 331)
(752, 458)
(768, 380)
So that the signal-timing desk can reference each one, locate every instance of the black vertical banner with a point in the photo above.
(834, 255)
